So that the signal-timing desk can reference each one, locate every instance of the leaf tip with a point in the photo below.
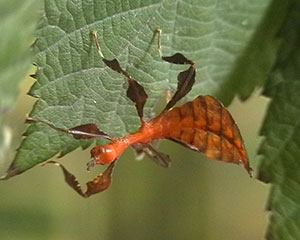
(12, 171)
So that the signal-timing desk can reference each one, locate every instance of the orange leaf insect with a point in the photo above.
(203, 125)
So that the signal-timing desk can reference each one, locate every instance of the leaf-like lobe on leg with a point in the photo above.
(114, 65)
(135, 91)
(85, 131)
(137, 94)
(88, 131)
(101, 182)
(178, 58)
(186, 80)
(98, 184)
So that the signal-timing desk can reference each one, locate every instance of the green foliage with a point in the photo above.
(74, 87)
(17, 23)
(281, 147)
(234, 44)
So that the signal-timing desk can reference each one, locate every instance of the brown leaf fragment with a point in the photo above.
(88, 131)
(137, 94)
(85, 131)
(101, 182)
(178, 58)
(69, 178)
(98, 184)
(186, 80)
(114, 65)
(161, 159)
(135, 91)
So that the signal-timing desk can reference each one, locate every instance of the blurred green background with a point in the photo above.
(196, 198)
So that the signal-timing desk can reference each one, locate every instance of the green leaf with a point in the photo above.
(74, 87)
(17, 23)
(281, 147)
(252, 67)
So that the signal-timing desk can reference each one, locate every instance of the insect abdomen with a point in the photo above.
(206, 126)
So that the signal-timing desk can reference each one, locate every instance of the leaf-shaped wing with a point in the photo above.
(205, 125)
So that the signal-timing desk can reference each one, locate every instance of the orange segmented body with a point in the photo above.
(203, 125)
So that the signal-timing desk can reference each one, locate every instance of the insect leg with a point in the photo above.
(135, 91)
(158, 31)
(98, 184)
(186, 79)
(85, 131)
(161, 159)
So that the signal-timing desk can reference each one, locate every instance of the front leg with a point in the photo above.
(85, 131)
(135, 91)
(98, 184)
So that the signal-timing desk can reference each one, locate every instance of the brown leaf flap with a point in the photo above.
(186, 80)
(88, 131)
(85, 131)
(114, 65)
(137, 94)
(98, 184)
(161, 159)
(178, 58)
(101, 182)
(205, 125)
(135, 91)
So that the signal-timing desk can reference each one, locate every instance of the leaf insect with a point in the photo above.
(203, 125)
